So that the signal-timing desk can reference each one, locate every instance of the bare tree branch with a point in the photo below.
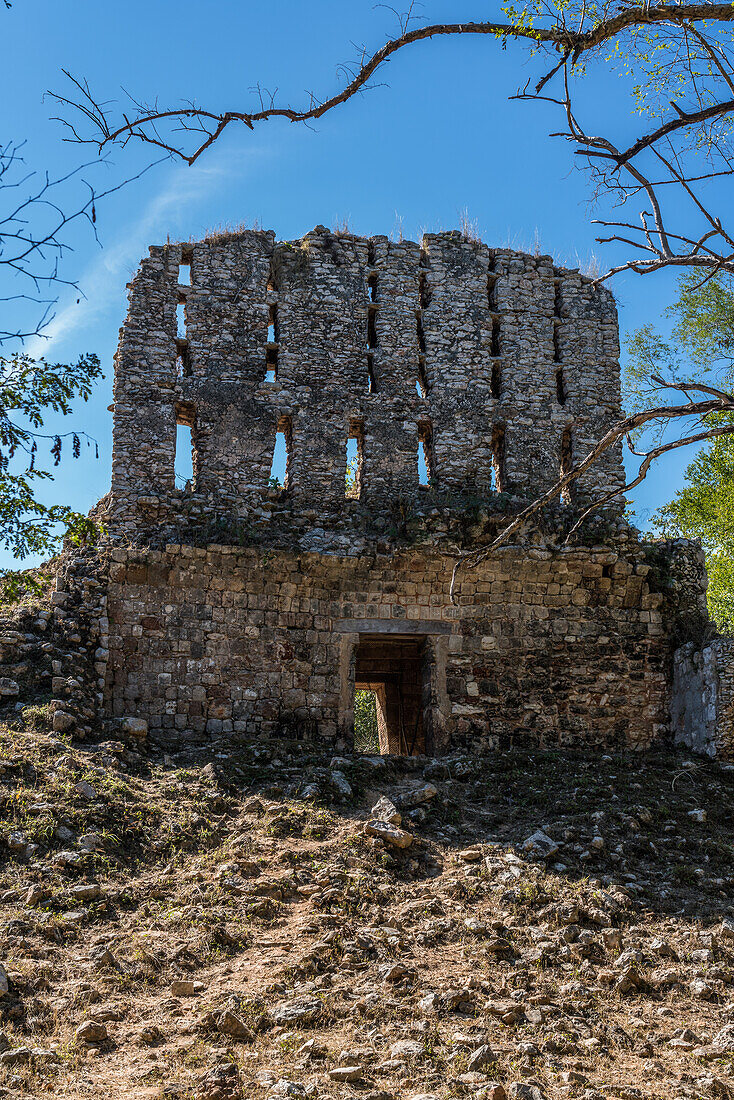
(687, 47)
(719, 401)
(572, 44)
(34, 232)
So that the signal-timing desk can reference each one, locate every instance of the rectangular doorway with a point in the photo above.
(392, 695)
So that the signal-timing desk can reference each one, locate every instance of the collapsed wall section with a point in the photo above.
(450, 366)
(569, 649)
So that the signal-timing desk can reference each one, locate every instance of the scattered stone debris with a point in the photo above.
(224, 939)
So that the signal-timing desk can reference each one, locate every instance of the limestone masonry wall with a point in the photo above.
(549, 649)
(702, 704)
(460, 381)
(502, 366)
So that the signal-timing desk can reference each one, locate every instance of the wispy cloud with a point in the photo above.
(104, 278)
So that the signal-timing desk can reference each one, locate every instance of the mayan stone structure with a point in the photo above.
(455, 381)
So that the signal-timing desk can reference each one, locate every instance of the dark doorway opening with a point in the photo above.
(396, 671)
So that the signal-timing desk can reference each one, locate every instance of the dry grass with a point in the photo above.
(232, 881)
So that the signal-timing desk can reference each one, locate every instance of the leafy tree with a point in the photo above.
(366, 736)
(701, 343)
(35, 215)
(29, 390)
(704, 509)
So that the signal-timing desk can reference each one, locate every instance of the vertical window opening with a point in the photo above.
(181, 319)
(184, 268)
(494, 350)
(371, 384)
(560, 387)
(424, 291)
(371, 257)
(186, 456)
(421, 384)
(495, 384)
(372, 288)
(497, 465)
(557, 302)
(271, 365)
(371, 330)
(280, 466)
(492, 289)
(425, 455)
(421, 334)
(567, 464)
(273, 336)
(355, 462)
(183, 360)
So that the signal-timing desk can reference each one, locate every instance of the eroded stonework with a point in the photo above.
(502, 366)
(464, 379)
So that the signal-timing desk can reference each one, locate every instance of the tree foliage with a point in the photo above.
(701, 343)
(366, 736)
(30, 390)
(704, 509)
(37, 211)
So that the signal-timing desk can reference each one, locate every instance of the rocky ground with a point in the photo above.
(263, 921)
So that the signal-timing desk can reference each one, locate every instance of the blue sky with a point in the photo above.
(436, 139)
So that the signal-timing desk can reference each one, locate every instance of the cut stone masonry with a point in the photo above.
(501, 365)
(421, 394)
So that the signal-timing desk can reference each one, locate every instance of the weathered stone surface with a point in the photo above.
(135, 727)
(63, 721)
(391, 834)
(251, 609)
(91, 1032)
(305, 1010)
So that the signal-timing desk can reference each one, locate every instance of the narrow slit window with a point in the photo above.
(181, 319)
(566, 465)
(492, 291)
(495, 383)
(271, 365)
(560, 387)
(186, 457)
(355, 462)
(371, 384)
(184, 268)
(183, 360)
(421, 384)
(425, 456)
(421, 334)
(273, 324)
(495, 346)
(280, 466)
(424, 291)
(372, 289)
(497, 465)
(371, 330)
(557, 354)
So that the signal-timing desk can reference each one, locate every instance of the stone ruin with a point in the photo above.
(418, 396)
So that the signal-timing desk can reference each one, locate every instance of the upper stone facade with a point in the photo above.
(490, 369)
